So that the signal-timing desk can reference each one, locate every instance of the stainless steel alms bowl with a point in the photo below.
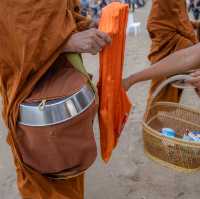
(56, 111)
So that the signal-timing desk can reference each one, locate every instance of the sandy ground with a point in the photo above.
(129, 174)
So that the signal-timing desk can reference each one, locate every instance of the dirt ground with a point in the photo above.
(129, 174)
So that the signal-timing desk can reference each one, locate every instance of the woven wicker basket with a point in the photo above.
(172, 152)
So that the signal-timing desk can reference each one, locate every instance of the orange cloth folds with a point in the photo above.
(32, 35)
(114, 103)
(170, 29)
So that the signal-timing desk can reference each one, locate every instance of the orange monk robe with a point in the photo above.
(170, 30)
(32, 35)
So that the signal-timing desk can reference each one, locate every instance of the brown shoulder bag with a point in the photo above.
(55, 128)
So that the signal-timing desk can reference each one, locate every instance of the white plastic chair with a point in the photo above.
(133, 27)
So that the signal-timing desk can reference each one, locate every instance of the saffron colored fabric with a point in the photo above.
(114, 104)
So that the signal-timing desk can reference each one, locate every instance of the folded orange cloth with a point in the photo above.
(114, 103)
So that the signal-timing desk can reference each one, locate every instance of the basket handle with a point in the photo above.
(160, 87)
(168, 81)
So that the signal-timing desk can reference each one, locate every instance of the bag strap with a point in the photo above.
(77, 61)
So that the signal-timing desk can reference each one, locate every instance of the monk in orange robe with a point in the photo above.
(32, 35)
(170, 29)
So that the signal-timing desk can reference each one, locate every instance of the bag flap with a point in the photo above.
(60, 81)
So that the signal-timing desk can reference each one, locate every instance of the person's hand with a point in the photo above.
(126, 84)
(131, 80)
(94, 23)
(195, 24)
(88, 41)
(195, 81)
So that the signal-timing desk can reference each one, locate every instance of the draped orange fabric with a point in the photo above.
(114, 103)
(170, 29)
(32, 35)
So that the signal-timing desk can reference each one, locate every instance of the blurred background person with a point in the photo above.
(170, 29)
(85, 4)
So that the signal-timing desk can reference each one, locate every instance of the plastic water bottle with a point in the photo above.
(168, 132)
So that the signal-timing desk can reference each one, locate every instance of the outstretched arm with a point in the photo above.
(178, 62)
